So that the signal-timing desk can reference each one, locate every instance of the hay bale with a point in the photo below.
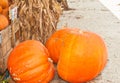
(37, 18)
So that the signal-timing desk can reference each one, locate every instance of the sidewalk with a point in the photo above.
(93, 16)
(113, 6)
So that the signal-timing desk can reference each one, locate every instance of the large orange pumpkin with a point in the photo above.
(82, 57)
(29, 63)
(3, 22)
(55, 42)
(4, 3)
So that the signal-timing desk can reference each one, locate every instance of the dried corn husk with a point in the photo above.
(63, 4)
(37, 18)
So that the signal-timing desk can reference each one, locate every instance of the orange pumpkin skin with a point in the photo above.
(55, 42)
(82, 57)
(3, 22)
(29, 63)
(1, 9)
(4, 3)
(5, 12)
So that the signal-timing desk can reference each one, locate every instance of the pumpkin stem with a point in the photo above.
(81, 31)
(50, 60)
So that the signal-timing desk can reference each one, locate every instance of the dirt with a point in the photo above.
(91, 15)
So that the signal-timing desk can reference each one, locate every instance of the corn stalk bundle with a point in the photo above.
(37, 18)
(63, 4)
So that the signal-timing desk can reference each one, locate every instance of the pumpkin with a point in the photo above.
(29, 63)
(55, 42)
(3, 22)
(4, 3)
(1, 9)
(5, 12)
(82, 57)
